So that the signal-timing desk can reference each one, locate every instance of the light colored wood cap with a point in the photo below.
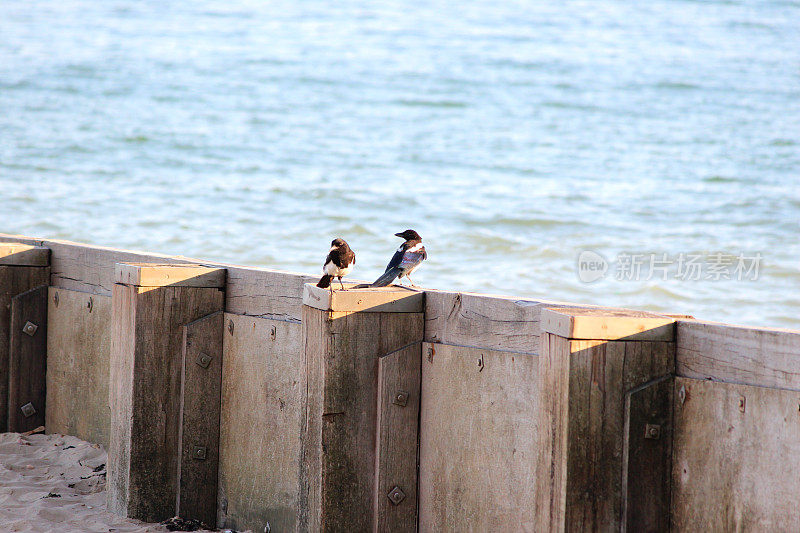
(17, 254)
(392, 299)
(163, 275)
(607, 324)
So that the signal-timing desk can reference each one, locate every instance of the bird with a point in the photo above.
(406, 259)
(339, 263)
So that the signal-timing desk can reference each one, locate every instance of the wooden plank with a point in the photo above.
(607, 323)
(477, 439)
(145, 417)
(78, 355)
(484, 321)
(27, 363)
(249, 291)
(647, 457)
(261, 424)
(582, 386)
(155, 275)
(14, 280)
(200, 414)
(392, 299)
(344, 349)
(18, 254)
(767, 357)
(736, 464)
(398, 416)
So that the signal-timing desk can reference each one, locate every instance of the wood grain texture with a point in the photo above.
(78, 359)
(478, 320)
(14, 280)
(735, 468)
(477, 439)
(582, 392)
(398, 416)
(344, 349)
(18, 254)
(27, 362)
(261, 424)
(391, 299)
(198, 447)
(647, 457)
(162, 275)
(608, 324)
(764, 357)
(249, 291)
(152, 408)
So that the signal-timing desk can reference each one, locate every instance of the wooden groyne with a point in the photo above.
(246, 397)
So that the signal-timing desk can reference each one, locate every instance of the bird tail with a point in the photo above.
(387, 277)
(325, 281)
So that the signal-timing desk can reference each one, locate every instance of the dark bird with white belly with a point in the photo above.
(338, 264)
(406, 259)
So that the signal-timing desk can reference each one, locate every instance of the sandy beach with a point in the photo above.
(56, 483)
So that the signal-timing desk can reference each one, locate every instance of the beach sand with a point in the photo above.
(56, 483)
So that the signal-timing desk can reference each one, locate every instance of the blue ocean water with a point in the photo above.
(511, 135)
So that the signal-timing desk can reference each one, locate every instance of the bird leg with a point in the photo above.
(409, 280)
(342, 284)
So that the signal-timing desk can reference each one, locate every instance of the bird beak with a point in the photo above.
(398, 234)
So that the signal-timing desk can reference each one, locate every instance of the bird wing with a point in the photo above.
(412, 259)
(397, 258)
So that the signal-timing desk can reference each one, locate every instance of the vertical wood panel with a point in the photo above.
(14, 280)
(200, 409)
(398, 414)
(27, 365)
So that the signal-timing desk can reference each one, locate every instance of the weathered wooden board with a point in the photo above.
(736, 462)
(764, 357)
(249, 290)
(200, 412)
(477, 439)
(484, 321)
(27, 362)
(18, 254)
(582, 386)
(392, 299)
(608, 324)
(647, 457)
(78, 354)
(398, 424)
(146, 352)
(173, 275)
(346, 352)
(14, 280)
(261, 424)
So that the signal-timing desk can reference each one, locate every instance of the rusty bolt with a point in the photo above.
(204, 360)
(199, 453)
(401, 399)
(652, 431)
(396, 495)
(28, 410)
(30, 328)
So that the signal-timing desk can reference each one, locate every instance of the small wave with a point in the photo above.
(782, 142)
(679, 85)
(431, 103)
(721, 179)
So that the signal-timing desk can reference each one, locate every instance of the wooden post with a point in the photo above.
(605, 420)
(363, 357)
(22, 268)
(151, 304)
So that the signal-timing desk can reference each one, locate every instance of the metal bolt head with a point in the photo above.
(204, 360)
(199, 453)
(30, 328)
(401, 398)
(652, 431)
(396, 495)
(28, 410)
